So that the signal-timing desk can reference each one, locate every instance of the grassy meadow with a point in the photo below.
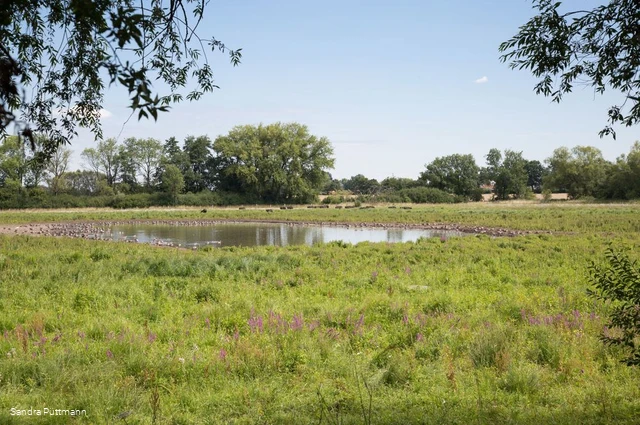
(440, 331)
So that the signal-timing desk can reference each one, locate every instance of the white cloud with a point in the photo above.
(482, 80)
(105, 114)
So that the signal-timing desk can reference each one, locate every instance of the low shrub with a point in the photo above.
(428, 195)
(333, 199)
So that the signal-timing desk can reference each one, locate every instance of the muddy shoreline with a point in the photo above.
(93, 229)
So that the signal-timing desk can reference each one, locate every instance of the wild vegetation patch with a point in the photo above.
(437, 331)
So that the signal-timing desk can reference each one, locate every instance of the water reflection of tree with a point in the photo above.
(394, 235)
(309, 235)
(251, 234)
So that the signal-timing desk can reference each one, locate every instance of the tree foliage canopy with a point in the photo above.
(277, 162)
(580, 171)
(361, 185)
(453, 173)
(55, 54)
(535, 173)
(508, 171)
(623, 179)
(18, 164)
(599, 47)
(618, 282)
(172, 181)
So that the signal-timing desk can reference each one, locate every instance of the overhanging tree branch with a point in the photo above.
(598, 47)
(93, 34)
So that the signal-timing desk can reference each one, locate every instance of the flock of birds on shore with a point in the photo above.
(107, 235)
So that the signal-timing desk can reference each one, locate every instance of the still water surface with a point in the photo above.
(258, 234)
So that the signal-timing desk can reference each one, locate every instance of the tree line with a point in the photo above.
(284, 163)
(580, 172)
(276, 163)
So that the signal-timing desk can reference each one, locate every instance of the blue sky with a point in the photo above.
(392, 84)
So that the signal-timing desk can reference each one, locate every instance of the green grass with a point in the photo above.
(561, 217)
(469, 330)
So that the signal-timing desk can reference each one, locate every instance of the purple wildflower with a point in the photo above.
(255, 323)
(222, 354)
(274, 318)
(297, 323)
(419, 337)
(109, 354)
(357, 328)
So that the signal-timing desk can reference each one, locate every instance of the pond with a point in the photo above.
(258, 234)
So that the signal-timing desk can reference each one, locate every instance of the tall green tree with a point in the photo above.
(145, 155)
(199, 172)
(172, 153)
(456, 174)
(593, 46)
(13, 161)
(623, 177)
(56, 167)
(172, 181)
(277, 162)
(580, 171)
(106, 158)
(22, 164)
(508, 172)
(95, 39)
(331, 184)
(82, 182)
(128, 172)
(535, 174)
(361, 185)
